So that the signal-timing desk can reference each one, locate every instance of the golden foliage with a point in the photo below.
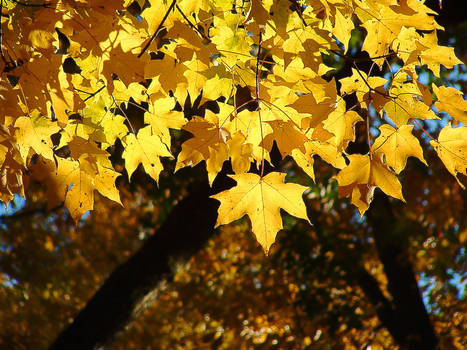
(68, 67)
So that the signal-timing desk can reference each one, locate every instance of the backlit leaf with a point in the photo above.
(261, 199)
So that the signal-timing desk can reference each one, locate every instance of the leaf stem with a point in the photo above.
(361, 59)
(158, 29)
(45, 4)
(124, 114)
(1, 36)
(258, 99)
(423, 130)
(91, 95)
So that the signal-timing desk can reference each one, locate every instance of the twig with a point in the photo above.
(258, 100)
(94, 93)
(368, 133)
(191, 24)
(298, 9)
(361, 59)
(45, 4)
(26, 213)
(423, 130)
(368, 85)
(158, 28)
(124, 114)
(1, 34)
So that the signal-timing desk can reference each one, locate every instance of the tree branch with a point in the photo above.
(158, 28)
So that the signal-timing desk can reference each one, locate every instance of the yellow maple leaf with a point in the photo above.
(406, 45)
(41, 39)
(232, 43)
(217, 86)
(304, 161)
(98, 124)
(248, 124)
(397, 145)
(167, 74)
(34, 132)
(360, 83)
(240, 153)
(434, 55)
(145, 148)
(89, 150)
(361, 175)
(208, 143)
(126, 65)
(286, 135)
(261, 199)
(450, 100)
(258, 13)
(451, 147)
(74, 182)
(11, 167)
(342, 28)
(406, 102)
(384, 24)
(342, 124)
(319, 111)
(162, 117)
(154, 13)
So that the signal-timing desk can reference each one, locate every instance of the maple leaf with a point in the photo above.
(208, 143)
(240, 153)
(361, 176)
(305, 161)
(248, 124)
(145, 148)
(360, 83)
(162, 117)
(41, 39)
(217, 86)
(383, 25)
(11, 168)
(231, 42)
(126, 65)
(258, 13)
(167, 74)
(34, 132)
(204, 56)
(318, 110)
(261, 199)
(74, 182)
(342, 28)
(342, 124)
(451, 147)
(406, 102)
(98, 124)
(434, 55)
(286, 135)
(450, 101)
(87, 149)
(397, 145)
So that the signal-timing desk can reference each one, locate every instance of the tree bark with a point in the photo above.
(408, 322)
(133, 285)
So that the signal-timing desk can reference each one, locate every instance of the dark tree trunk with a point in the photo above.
(134, 284)
(407, 320)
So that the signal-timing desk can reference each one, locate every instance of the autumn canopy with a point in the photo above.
(71, 68)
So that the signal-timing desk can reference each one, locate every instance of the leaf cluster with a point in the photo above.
(258, 73)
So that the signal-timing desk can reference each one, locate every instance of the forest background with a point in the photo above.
(91, 89)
